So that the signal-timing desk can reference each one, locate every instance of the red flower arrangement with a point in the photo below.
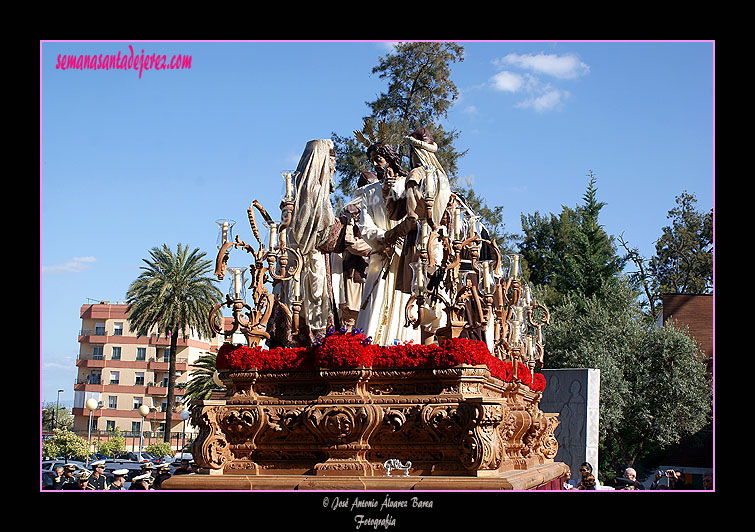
(339, 349)
(241, 357)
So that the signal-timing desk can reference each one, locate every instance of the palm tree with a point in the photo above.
(174, 294)
(201, 382)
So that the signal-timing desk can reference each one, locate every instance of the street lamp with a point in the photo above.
(55, 415)
(143, 411)
(91, 405)
(184, 415)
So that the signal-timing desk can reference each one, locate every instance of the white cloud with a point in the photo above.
(74, 265)
(507, 81)
(559, 66)
(550, 99)
(540, 96)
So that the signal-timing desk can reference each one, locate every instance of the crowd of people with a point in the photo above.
(151, 477)
(662, 480)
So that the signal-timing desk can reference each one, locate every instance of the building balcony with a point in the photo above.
(162, 389)
(91, 362)
(182, 364)
(110, 413)
(134, 389)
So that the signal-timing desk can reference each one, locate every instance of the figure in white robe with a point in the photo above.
(350, 259)
(382, 315)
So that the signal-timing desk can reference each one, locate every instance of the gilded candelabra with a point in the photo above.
(473, 294)
(277, 262)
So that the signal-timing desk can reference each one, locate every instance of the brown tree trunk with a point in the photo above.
(171, 385)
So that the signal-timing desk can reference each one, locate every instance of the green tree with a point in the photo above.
(159, 449)
(683, 261)
(66, 444)
(173, 294)
(56, 416)
(654, 388)
(201, 383)
(570, 253)
(115, 444)
(420, 92)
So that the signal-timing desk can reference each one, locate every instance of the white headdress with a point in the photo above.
(425, 152)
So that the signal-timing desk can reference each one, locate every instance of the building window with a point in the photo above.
(163, 405)
(99, 329)
(141, 353)
(94, 378)
(115, 377)
(139, 379)
(116, 355)
(110, 425)
(112, 402)
(97, 353)
(137, 402)
(166, 355)
(136, 426)
(118, 329)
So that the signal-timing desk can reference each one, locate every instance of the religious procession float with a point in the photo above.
(390, 345)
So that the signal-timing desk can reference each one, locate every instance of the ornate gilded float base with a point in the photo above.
(457, 421)
(547, 476)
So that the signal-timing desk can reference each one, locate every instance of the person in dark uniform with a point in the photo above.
(162, 473)
(82, 479)
(185, 468)
(119, 479)
(141, 482)
(97, 479)
(66, 477)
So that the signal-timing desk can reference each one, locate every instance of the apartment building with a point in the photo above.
(123, 371)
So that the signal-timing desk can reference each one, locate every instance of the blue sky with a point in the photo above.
(129, 162)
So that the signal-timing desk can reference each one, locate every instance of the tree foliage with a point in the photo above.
(54, 416)
(201, 383)
(114, 445)
(683, 261)
(66, 444)
(159, 448)
(570, 253)
(419, 94)
(173, 294)
(654, 388)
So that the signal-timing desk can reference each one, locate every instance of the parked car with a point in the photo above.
(134, 456)
(119, 463)
(48, 479)
(50, 465)
(183, 456)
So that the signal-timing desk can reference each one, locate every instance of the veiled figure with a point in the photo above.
(411, 199)
(314, 231)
